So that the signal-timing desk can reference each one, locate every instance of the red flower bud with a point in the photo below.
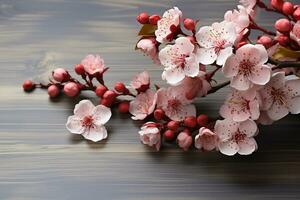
(169, 135)
(202, 120)
(60, 75)
(100, 90)
(173, 125)
(282, 40)
(71, 89)
(266, 41)
(143, 18)
(106, 102)
(153, 19)
(53, 91)
(283, 25)
(190, 122)
(277, 4)
(288, 8)
(79, 69)
(28, 85)
(189, 24)
(110, 95)
(296, 14)
(120, 87)
(123, 107)
(159, 114)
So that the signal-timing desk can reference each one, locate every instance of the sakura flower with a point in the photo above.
(88, 120)
(240, 106)
(143, 105)
(206, 139)
(173, 102)
(240, 18)
(148, 46)
(216, 42)
(150, 135)
(281, 96)
(179, 61)
(236, 137)
(141, 81)
(184, 140)
(295, 33)
(247, 67)
(93, 64)
(167, 24)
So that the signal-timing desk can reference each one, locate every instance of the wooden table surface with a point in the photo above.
(39, 159)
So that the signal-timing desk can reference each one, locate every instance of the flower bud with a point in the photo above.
(190, 122)
(159, 114)
(53, 91)
(266, 41)
(288, 8)
(123, 107)
(189, 24)
(283, 25)
(202, 120)
(79, 69)
(153, 19)
(110, 95)
(277, 4)
(169, 135)
(120, 87)
(282, 40)
(106, 102)
(71, 89)
(28, 85)
(173, 125)
(100, 90)
(184, 140)
(296, 14)
(60, 75)
(143, 18)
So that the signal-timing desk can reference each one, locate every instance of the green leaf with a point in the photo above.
(283, 52)
(148, 30)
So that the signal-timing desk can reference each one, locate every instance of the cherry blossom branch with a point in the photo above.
(255, 26)
(284, 64)
(218, 87)
(266, 8)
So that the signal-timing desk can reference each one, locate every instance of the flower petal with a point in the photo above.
(231, 66)
(191, 67)
(206, 56)
(204, 37)
(223, 55)
(95, 133)
(225, 128)
(261, 75)
(248, 127)
(101, 114)
(247, 146)
(294, 105)
(228, 148)
(277, 111)
(173, 75)
(83, 108)
(240, 82)
(74, 125)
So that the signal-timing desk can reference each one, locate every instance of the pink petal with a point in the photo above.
(294, 105)
(84, 108)
(223, 55)
(74, 125)
(191, 68)
(277, 111)
(228, 148)
(231, 66)
(204, 37)
(184, 45)
(278, 80)
(264, 119)
(206, 56)
(261, 75)
(248, 127)
(240, 82)
(225, 128)
(95, 133)
(254, 109)
(173, 75)
(101, 114)
(247, 146)
(256, 54)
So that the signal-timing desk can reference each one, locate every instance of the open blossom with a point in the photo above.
(216, 42)
(150, 135)
(281, 96)
(88, 120)
(179, 61)
(184, 140)
(240, 18)
(141, 81)
(143, 105)
(93, 64)
(240, 106)
(169, 21)
(173, 102)
(247, 67)
(148, 46)
(206, 139)
(295, 33)
(236, 137)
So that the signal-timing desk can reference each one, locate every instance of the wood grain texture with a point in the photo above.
(41, 160)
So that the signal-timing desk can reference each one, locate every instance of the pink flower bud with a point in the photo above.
(184, 140)
(189, 24)
(71, 89)
(28, 85)
(282, 40)
(120, 87)
(288, 8)
(123, 107)
(173, 125)
(277, 4)
(202, 120)
(100, 90)
(79, 69)
(53, 91)
(143, 18)
(153, 19)
(159, 114)
(60, 75)
(283, 25)
(110, 95)
(266, 41)
(190, 122)
(169, 135)
(296, 14)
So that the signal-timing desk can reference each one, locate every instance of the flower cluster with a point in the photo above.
(263, 76)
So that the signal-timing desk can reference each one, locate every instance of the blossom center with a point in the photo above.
(174, 104)
(278, 96)
(87, 121)
(179, 60)
(245, 67)
(238, 137)
(219, 45)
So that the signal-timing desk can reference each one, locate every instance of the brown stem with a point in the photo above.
(255, 26)
(262, 5)
(218, 87)
(284, 64)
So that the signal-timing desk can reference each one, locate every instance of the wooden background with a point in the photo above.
(39, 159)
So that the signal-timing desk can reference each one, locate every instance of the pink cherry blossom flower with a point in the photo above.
(148, 46)
(281, 96)
(143, 105)
(141, 81)
(206, 139)
(179, 61)
(88, 120)
(184, 140)
(216, 42)
(240, 18)
(236, 137)
(169, 21)
(247, 67)
(173, 102)
(240, 106)
(295, 33)
(150, 135)
(93, 64)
